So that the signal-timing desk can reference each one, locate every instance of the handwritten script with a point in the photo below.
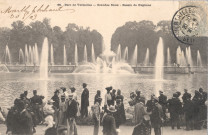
(31, 12)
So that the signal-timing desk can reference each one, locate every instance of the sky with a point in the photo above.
(104, 19)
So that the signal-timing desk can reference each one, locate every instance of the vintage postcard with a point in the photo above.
(104, 67)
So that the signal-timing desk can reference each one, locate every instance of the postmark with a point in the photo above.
(187, 24)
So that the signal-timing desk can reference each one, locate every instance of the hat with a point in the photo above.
(109, 88)
(200, 90)
(113, 90)
(34, 91)
(84, 84)
(178, 93)
(111, 108)
(25, 92)
(63, 88)
(56, 91)
(175, 94)
(137, 92)
(132, 93)
(22, 95)
(72, 89)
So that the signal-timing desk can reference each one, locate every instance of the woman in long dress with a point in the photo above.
(122, 110)
(62, 112)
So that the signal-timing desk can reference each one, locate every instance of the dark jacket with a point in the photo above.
(71, 109)
(156, 116)
(85, 97)
(26, 123)
(55, 98)
(185, 96)
(36, 100)
(109, 126)
(149, 105)
(175, 106)
(120, 97)
(188, 109)
(162, 100)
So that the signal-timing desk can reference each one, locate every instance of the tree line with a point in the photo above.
(20, 34)
(146, 34)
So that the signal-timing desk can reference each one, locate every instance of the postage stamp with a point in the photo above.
(187, 24)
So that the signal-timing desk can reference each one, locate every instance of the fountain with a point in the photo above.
(85, 54)
(26, 55)
(76, 55)
(105, 63)
(21, 56)
(52, 57)
(168, 57)
(134, 57)
(93, 54)
(44, 60)
(33, 53)
(183, 59)
(178, 55)
(125, 56)
(44, 68)
(30, 55)
(159, 63)
(118, 53)
(65, 58)
(188, 56)
(146, 60)
(199, 61)
(36, 55)
(8, 55)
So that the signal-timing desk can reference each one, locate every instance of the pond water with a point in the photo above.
(13, 84)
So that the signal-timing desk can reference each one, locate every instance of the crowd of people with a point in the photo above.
(60, 112)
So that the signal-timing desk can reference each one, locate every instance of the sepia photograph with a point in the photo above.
(101, 67)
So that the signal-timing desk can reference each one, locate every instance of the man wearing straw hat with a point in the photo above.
(109, 124)
(71, 114)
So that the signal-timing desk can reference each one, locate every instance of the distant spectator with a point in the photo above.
(175, 109)
(84, 101)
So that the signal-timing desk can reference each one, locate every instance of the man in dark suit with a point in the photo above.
(163, 102)
(55, 98)
(186, 96)
(84, 101)
(36, 103)
(109, 124)
(189, 113)
(175, 109)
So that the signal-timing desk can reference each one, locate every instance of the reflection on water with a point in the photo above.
(13, 84)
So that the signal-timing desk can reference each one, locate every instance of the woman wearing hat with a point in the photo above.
(98, 97)
(62, 112)
(121, 106)
(108, 97)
